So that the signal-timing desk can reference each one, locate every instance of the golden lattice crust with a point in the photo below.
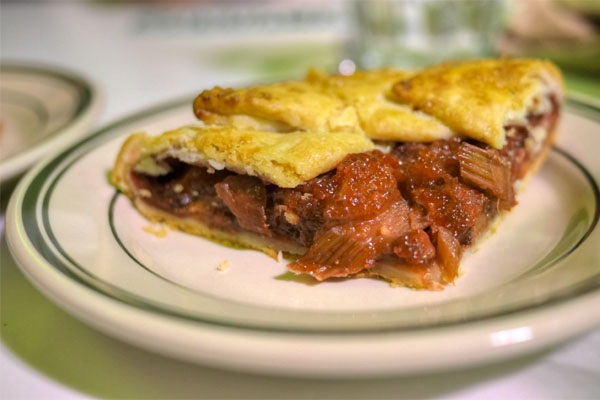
(322, 103)
(287, 133)
(368, 93)
(280, 107)
(284, 159)
(473, 99)
(477, 99)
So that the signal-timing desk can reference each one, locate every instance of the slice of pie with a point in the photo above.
(382, 173)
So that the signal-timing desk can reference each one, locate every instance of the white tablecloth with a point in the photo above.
(143, 55)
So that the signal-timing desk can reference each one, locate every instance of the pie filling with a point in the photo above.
(415, 208)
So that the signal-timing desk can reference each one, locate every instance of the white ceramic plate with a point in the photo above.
(534, 283)
(42, 110)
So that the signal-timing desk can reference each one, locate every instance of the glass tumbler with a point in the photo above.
(414, 33)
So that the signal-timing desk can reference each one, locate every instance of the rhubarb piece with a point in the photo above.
(246, 198)
(488, 170)
(415, 247)
(350, 248)
(337, 252)
(448, 253)
(364, 186)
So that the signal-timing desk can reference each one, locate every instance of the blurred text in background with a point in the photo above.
(284, 37)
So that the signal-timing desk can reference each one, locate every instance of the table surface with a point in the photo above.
(46, 353)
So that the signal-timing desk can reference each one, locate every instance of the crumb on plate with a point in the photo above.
(158, 231)
(223, 266)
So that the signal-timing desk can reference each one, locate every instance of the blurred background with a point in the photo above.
(146, 52)
(183, 43)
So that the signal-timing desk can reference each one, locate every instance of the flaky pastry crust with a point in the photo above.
(474, 99)
(477, 99)
(279, 107)
(322, 103)
(380, 117)
(284, 159)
